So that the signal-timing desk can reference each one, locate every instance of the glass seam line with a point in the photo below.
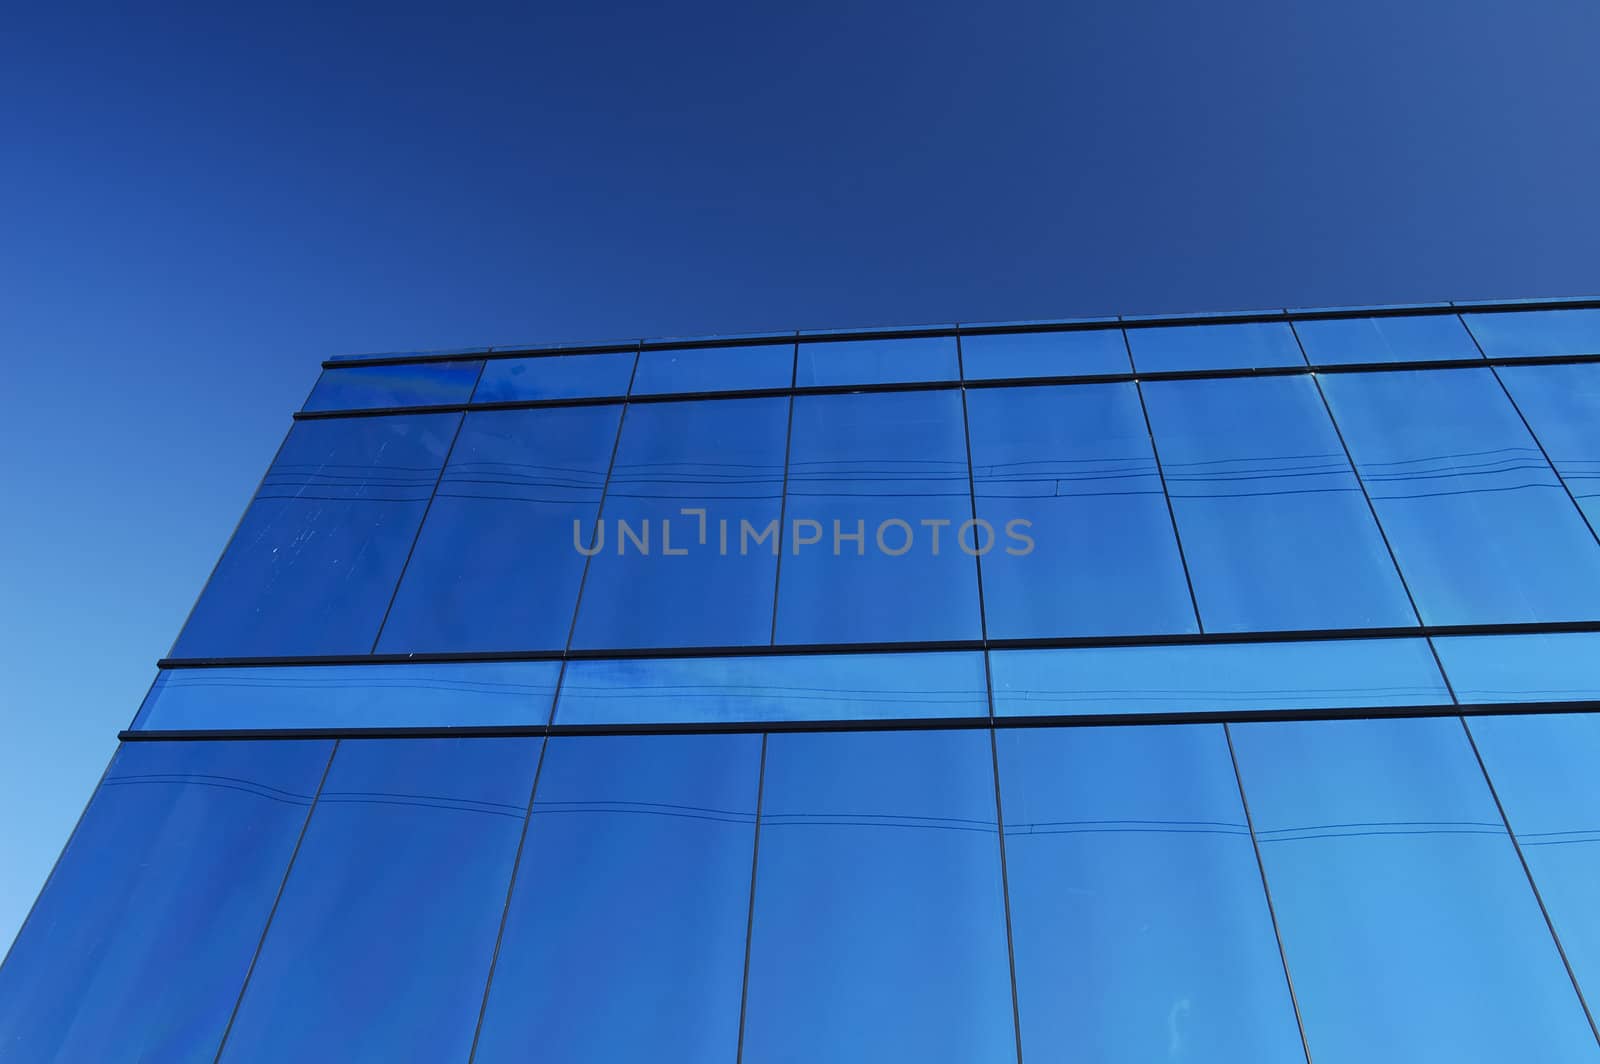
(783, 508)
(750, 912)
(1537, 442)
(416, 537)
(1172, 513)
(1532, 884)
(283, 883)
(505, 910)
(588, 557)
(1005, 888)
(1266, 892)
(1295, 369)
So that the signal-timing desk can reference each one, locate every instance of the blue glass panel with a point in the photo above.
(1483, 530)
(383, 937)
(1337, 341)
(1140, 925)
(1223, 677)
(555, 377)
(799, 687)
(1520, 333)
(1562, 404)
(1409, 926)
(1522, 668)
(496, 565)
(138, 946)
(1073, 466)
(1543, 768)
(625, 936)
(314, 562)
(891, 467)
(921, 358)
(879, 927)
(409, 384)
(714, 369)
(1273, 523)
(457, 694)
(1077, 352)
(662, 576)
(1244, 345)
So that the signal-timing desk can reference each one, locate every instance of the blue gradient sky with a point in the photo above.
(197, 211)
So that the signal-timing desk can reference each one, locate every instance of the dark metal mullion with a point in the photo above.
(1537, 442)
(750, 915)
(276, 899)
(505, 911)
(599, 529)
(1522, 859)
(1172, 512)
(416, 537)
(783, 494)
(1005, 885)
(1266, 891)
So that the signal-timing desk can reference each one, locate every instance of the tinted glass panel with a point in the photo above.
(1274, 526)
(1335, 341)
(663, 577)
(1072, 466)
(922, 358)
(353, 696)
(314, 562)
(1522, 668)
(802, 687)
(714, 369)
(1543, 768)
(1562, 404)
(1252, 344)
(413, 384)
(382, 940)
(1509, 334)
(1140, 925)
(879, 927)
(626, 932)
(994, 356)
(555, 377)
(496, 566)
(139, 944)
(1230, 677)
(1409, 926)
(891, 467)
(1483, 530)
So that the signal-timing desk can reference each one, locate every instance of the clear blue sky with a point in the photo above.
(196, 211)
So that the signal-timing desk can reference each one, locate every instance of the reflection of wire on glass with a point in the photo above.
(227, 783)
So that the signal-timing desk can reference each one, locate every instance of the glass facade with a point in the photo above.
(1215, 690)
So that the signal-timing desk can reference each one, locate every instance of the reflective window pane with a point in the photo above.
(555, 377)
(457, 694)
(661, 576)
(381, 942)
(1242, 345)
(920, 358)
(408, 384)
(314, 562)
(1518, 333)
(1273, 523)
(1562, 404)
(1410, 929)
(1224, 677)
(878, 903)
(1066, 478)
(496, 566)
(798, 687)
(1140, 926)
(1562, 667)
(1431, 337)
(625, 936)
(1483, 530)
(139, 944)
(714, 369)
(1077, 352)
(1543, 768)
(891, 468)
